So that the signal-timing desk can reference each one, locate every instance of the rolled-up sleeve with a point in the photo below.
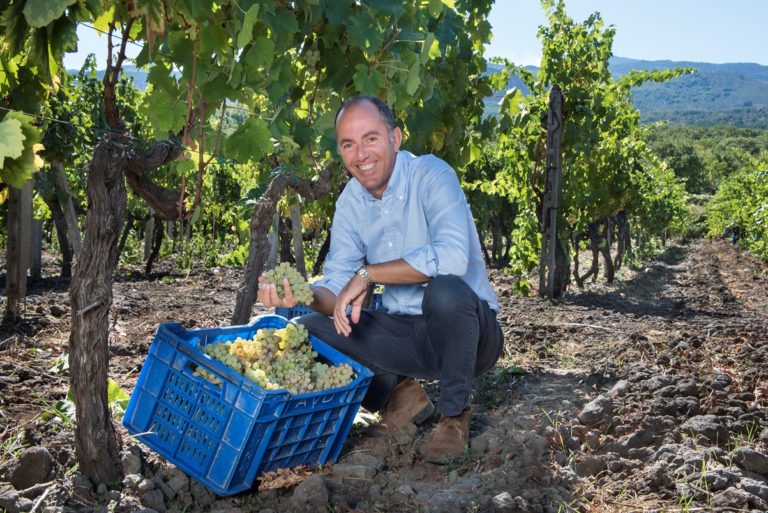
(446, 211)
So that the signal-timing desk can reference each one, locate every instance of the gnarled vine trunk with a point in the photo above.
(91, 298)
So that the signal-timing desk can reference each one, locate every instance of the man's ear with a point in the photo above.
(397, 137)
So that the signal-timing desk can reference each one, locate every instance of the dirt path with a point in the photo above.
(647, 395)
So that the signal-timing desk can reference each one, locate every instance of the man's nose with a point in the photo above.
(362, 152)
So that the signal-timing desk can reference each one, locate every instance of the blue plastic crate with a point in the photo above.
(299, 310)
(225, 435)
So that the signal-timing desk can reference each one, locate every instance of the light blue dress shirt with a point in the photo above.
(422, 217)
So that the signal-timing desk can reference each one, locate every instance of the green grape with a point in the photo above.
(278, 359)
(299, 286)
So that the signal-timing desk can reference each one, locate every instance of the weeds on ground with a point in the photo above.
(493, 387)
(466, 463)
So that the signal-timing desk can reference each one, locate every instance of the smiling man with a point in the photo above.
(403, 221)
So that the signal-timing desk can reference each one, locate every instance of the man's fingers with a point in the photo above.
(288, 291)
(356, 309)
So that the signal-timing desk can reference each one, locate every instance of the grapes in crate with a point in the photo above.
(278, 358)
(299, 286)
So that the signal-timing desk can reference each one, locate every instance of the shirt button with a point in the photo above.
(390, 244)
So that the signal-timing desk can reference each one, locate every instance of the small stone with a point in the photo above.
(203, 497)
(752, 460)
(707, 427)
(131, 463)
(81, 486)
(597, 411)
(364, 459)
(154, 499)
(754, 487)
(167, 491)
(112, 496)
(311, 494)
(406, 490)
(354, 471)
(146, 485)
(732, 499)
(178, 483)
(34, 466)
(590, 466)
(58, 311)
(506, 503)
(132, 481)
(375, 491)
(102, 488)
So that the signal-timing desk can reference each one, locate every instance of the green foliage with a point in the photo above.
(18, 153)
(739, 209)
(607, 167)
(703, 157)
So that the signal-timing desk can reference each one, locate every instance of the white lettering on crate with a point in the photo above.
(325, 398)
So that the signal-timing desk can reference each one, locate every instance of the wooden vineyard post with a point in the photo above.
(18, 249)
(36, 250)
(298, 240)
(547, 262)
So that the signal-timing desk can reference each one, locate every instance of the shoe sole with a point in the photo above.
(425, 413)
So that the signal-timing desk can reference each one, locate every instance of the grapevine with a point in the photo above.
(276, 359)
(299, 285)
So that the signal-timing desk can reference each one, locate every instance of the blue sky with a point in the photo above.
(694, 30)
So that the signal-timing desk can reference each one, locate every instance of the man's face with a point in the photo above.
(367, 146)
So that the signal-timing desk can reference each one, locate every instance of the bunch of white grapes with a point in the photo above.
(299, 286)
(313, 57)
(276, 359)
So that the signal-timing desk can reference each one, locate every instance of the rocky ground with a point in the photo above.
(650, 394)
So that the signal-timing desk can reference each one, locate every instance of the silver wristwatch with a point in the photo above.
(363, 273)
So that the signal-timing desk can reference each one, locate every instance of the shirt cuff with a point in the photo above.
(334, 286)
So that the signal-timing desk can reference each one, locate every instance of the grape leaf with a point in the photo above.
(246, 33)
(414, 78)
(16, 171)
(40, 13)
(368, 83)
(11, 139)
(261, 53)
(102, 22)
(251, 141)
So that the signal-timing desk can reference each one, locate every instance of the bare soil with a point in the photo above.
(649, 394)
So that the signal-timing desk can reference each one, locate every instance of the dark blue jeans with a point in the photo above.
(456, 338)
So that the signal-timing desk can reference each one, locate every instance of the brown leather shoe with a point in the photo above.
(409, 404)
(450, 438)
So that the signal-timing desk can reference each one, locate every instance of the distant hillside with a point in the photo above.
(731, 94)
(735, 94)
(139, 77)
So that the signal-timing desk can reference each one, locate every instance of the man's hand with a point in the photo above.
(352, 295)
(268, 294)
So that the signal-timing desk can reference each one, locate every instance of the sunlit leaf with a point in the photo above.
(11, 139)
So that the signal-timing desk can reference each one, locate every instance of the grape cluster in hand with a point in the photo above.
(278, 358)
(299, 286)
